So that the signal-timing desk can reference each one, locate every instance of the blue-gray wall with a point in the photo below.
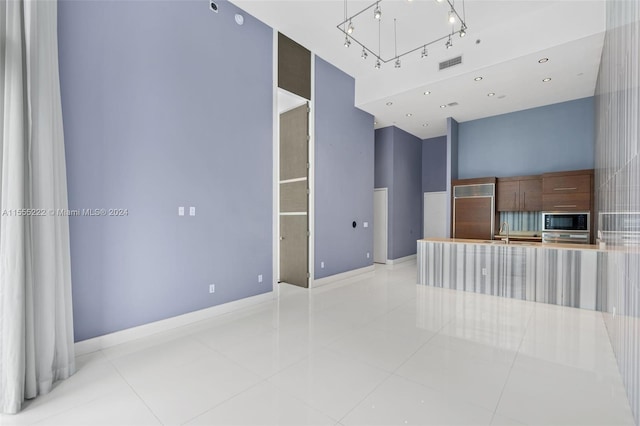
(165, 104)
(399, 168)
(407, 194)
(434, 164)
(384, 157)
(344, 163)
(546, 139)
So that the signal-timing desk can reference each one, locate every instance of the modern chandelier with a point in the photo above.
(348, 28)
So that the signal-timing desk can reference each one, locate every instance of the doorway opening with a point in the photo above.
(294, 189)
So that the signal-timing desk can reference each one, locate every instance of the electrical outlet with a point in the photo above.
(180, 211)
(212, 288)
(322, 265)
(260, 278)
(368, 255)
(484, 271)
(614, 311)
(365, 225)
(192, 211)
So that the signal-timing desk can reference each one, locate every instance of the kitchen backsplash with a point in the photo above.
(521, 221)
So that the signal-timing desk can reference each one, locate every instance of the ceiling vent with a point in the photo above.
(452, 104)
(450, 62)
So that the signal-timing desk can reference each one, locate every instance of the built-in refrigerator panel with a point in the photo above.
(474, 211)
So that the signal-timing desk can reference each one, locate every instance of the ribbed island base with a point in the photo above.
(565, 275)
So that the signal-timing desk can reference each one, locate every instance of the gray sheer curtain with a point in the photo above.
(36, 330)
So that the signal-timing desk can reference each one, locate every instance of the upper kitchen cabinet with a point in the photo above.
(519, 194)
(567, 191)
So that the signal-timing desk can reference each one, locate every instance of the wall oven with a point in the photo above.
(566, 227)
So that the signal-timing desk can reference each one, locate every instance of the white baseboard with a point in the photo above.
(401, 260)
(342, 276)
(145, 330)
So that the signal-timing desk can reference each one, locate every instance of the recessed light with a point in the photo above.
(427, 92)
(491, 94)
(389, 103)
(477, 79)
(409, 114)
(443, 106)
(239, 19)
(545, 80)
(543, 60)
(425, 124)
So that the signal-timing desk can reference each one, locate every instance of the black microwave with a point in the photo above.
(565, 221)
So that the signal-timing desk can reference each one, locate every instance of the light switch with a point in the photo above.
(192, 211)
(365, 224)
(180, 211)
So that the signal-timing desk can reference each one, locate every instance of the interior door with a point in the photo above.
(435, 214)
(380, 225)
(294, 196)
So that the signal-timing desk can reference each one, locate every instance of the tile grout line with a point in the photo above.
(512, 364)
(222, 402)
(133, 390)
(391, 374)
(195, 339)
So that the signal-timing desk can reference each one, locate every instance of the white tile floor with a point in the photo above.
(378, 350)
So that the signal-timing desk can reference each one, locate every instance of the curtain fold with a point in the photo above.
(36, 324)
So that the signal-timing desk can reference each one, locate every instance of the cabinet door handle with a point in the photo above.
(565, 189)
(565, 206)
(524, 200)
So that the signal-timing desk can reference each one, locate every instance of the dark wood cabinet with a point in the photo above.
(531, 195)
(567, 184)
(567, 202)
(568, 191)
(507, 192)
(519, 194)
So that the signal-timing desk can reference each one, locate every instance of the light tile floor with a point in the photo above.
(378, 350)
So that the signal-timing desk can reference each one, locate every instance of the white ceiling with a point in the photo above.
(505, 40)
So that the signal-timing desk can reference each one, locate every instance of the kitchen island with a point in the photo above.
(561, 274)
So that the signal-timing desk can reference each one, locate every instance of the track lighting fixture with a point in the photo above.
(377, 13)
(455, 16)
(350, 28)
(448, 44)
